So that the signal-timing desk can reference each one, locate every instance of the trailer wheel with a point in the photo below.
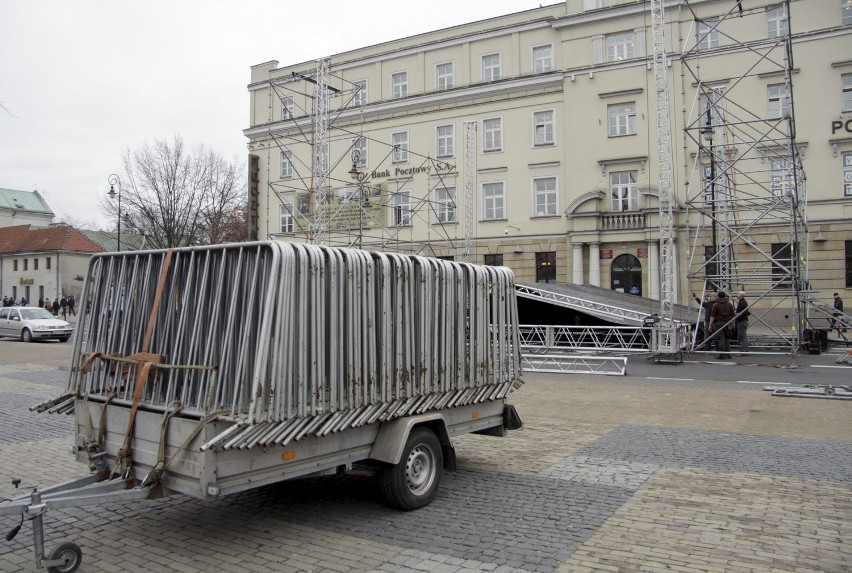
(70, 554)
(414, 481)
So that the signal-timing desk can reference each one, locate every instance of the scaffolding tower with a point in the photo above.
(744, 170)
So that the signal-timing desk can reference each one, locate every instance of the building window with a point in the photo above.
(544, 196)
(779, 103)
(492, 134)
(490, 67)
(848, 264)
(399, 141)
(624, 191)
(708, 34)
(847, 91)
(445, 205)
(777, 24)
(450, 258)
(288, 108)
(360, 97)
(48, 263)
(286, 164)
(26, 264)
(401, 205)
(783, 264)
(399, 85)
(285, 218)
(619, 46)
(359, 145)
(15, 265)
(35, 264)
(781, 176)
(712, 113)
(444, 76)
(446, 135)
(543, 128)
(494, 260)
(545, 267)
(494, 201)
(622, 119)
(542, 58)
(845, 18)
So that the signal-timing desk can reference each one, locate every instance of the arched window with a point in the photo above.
(627, 274)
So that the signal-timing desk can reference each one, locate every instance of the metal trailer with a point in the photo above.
(212, 370)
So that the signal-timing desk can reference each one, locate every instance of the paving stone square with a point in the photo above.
(632, 474)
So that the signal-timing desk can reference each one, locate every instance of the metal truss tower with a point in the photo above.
(746, 183)
(469, 182)
(666, 342)
(320, 155)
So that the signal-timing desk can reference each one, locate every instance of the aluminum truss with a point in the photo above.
(539, 338)
(572, 364)
(746, 181)
(578, 303)
(319, 223)
(469, 182)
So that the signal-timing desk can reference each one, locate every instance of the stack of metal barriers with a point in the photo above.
(289, 340)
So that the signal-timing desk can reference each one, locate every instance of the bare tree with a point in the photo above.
(174, 197)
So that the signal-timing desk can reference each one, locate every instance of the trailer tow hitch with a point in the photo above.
(67, 556)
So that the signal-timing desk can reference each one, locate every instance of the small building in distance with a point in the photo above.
(39, 263)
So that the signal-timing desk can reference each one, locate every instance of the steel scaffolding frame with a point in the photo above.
(324, 124)
(745, 178)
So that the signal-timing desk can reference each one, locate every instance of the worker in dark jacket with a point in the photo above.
(742, 320)
(722, 313)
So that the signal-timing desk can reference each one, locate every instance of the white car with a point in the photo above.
(31, 323)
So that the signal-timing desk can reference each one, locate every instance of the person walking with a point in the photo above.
(48, 306)
(722, 313)
(55, 308)
(838, 307)
(742, 321)
(71, 303)
(63, 304)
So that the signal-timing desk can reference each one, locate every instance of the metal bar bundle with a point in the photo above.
(298, 339)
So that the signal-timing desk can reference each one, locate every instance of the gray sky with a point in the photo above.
(82, 81)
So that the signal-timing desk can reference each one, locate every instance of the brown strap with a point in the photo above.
(141, 378)
(164, 271)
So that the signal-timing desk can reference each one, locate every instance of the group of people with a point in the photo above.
(721, 321)
(9, 301)
(716, 326)
(65, 305)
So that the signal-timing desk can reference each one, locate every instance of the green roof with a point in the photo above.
(26, 200)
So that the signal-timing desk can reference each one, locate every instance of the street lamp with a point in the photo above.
(113, 181)
(358, 176)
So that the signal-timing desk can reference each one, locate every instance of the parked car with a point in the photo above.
(32, 323)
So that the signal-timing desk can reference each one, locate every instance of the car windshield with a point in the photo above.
(35, 314)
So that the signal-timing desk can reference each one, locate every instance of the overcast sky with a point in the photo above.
(82, 81)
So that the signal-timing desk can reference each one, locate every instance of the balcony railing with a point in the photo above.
(622, 221)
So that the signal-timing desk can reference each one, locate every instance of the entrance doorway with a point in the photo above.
(627, 274)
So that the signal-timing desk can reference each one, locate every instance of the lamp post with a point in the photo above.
(113, 181)
(358, 176)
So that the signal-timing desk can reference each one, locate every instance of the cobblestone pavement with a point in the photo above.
(609, 474)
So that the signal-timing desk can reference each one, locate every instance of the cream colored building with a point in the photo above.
(563, 169)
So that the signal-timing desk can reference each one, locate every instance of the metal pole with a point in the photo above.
(114, 180)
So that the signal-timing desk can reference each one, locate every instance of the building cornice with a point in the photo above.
(607, 14)
(413, 49)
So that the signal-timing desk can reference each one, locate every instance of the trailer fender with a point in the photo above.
(393, 435)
